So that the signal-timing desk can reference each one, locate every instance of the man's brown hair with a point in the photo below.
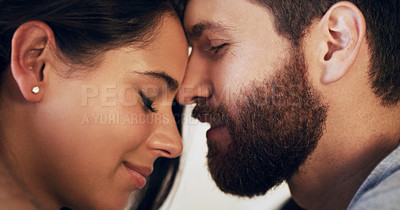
(292, 19)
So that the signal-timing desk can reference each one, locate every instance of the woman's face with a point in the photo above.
(94, 139)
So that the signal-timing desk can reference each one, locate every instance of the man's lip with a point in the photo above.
(220, 134)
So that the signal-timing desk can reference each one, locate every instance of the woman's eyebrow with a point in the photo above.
(171, 82)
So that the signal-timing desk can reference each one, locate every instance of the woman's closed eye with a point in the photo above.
(148, 104)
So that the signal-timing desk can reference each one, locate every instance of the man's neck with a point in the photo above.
(344, 157)
(332, 192)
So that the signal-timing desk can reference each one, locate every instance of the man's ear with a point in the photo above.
(31, 49)
(343, 28)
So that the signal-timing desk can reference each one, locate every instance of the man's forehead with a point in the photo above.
(221, 16)
(195, 31)
(208, 11)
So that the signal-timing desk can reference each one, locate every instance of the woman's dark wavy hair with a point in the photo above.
(83, 30)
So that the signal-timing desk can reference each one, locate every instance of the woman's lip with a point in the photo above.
(143, 170)
(138, 174)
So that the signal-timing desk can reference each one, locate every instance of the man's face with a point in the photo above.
(251, 86)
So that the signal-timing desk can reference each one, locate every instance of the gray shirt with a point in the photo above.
(381, 190)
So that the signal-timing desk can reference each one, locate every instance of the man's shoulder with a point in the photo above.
(384, 195)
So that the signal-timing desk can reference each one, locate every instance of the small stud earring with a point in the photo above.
(35, 90)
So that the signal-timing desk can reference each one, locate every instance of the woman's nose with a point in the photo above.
(166, 141)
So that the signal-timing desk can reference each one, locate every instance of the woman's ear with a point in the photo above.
(343, 28)
(31, 49)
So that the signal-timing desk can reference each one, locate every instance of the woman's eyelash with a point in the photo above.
(215, 50)
(147, 102)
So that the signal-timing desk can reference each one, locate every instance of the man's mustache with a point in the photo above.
(215, 115)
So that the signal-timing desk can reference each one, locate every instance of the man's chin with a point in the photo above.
(242, 188)
(235, 174)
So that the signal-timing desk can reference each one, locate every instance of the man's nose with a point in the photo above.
(196, 83)
(166, 140)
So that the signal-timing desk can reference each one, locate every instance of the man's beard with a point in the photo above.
(277, 126)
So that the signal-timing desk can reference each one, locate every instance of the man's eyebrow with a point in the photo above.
(171, 82)
(198, 29)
